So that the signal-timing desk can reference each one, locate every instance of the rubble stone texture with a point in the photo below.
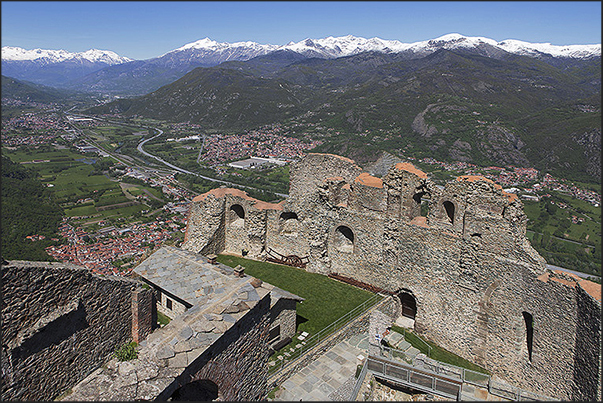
(467, 263)
(60, 322)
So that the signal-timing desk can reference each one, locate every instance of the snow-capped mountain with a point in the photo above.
(227, 51)
(58, 56)
(105, 71)
(55, 67)
(332, 47)
(207, 52)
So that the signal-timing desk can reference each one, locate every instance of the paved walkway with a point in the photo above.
(330, 377)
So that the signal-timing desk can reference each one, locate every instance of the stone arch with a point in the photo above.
(408, 304)
(450, 209)
(202, 390)
(289, 223)
(236, 215)
(420, 203)
(343, 239)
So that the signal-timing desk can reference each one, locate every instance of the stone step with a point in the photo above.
(403, 345)
(412, 352)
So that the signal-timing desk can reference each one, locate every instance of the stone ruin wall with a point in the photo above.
(60, 322)
(236, 362)
(284, 315)
(468, 264)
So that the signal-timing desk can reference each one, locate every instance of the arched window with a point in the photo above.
(237, 215)
(420, 207)
(449, 207)
(202, 390)
(343, 239)
(529, 322)
(288, 223)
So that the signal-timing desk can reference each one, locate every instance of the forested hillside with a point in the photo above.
(28, 208)
(449, 105)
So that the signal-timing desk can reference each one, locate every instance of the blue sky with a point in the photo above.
(142, 30)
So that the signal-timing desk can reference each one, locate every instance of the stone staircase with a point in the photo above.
(396, 340)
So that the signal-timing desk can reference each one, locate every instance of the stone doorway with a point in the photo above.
(202, 390)
(408, 309)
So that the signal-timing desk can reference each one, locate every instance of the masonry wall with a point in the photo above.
(284, 314)
(59, 323)
(236, 362)
(468, 265)
(205, 232)
(587, 355)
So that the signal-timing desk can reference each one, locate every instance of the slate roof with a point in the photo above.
(190, 277)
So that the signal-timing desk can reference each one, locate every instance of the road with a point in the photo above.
(174, 167)
(577, 273)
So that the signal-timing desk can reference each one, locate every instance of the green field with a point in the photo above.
(561, 242)
(72, 180)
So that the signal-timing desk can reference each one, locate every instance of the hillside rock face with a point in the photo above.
(592, 151)
(466, 264)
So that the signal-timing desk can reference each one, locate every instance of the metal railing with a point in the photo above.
(463, 375)
(415, 378)
(359, 381)
(438, 367)
(513, 393)
(324, 333)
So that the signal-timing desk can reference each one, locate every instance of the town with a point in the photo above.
(115, 251)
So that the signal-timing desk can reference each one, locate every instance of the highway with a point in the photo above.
(176, 168)
(172, 166)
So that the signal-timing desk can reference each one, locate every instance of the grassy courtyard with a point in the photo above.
(326, 299)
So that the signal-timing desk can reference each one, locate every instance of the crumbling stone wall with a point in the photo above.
(467, 263)
(60, 322)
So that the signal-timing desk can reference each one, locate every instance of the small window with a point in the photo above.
(274, 333)
(289, 223)
(344, 239)
(529, 321)
(168, 303)
(237, 215)
(449, 207)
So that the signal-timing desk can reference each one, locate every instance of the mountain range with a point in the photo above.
(106, 72)
(453, 98)
(452, 105)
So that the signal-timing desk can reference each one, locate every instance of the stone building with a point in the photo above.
(456, 257)
(182, 279)
(61, 324)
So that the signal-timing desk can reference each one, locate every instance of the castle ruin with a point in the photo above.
(456, 257)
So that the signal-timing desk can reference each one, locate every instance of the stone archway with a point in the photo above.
(343, 239)
(202, 390)
(409, 305)
(407, 309)
(236, 216)
(289, 223)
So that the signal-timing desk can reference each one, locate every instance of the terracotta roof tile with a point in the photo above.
(369, 180)
(419, 221)
(474, 178)
(408, 167)
(221, 192)
(335, 155)
(592, 288)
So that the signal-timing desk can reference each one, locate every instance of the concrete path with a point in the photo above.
(330, 377)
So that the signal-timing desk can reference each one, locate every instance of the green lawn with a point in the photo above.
(326, 300)
(437, 353)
